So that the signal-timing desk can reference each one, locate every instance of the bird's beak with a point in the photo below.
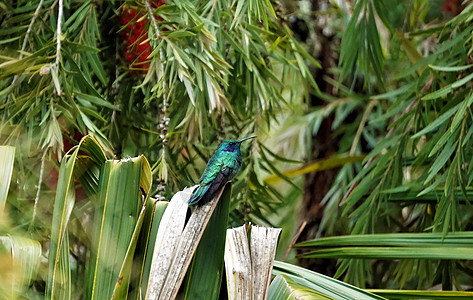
(251, 137)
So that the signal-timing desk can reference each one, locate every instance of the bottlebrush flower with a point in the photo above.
(136, 49)
(453, 7)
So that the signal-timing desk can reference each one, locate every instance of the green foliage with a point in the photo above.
(119, 217)
(19, 256)
(213, 69)
(288, 289)
(217, 70)
(224, 69)
(292, 282)
(59, 279)
(319, 284)
(20, 259)
(416, 177)
(7, 155)
(204, 277)
(432, 248)
(413, 294)
(367, 55)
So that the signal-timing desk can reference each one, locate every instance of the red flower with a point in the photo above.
(136, 50)
(453, 7)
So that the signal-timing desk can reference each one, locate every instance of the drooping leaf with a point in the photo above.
(7, 155)
(117, 222)
(322, 284)
(63, 205)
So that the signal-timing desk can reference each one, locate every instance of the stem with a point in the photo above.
(153, 20)
(361, 127)
(25, 41)
(161, 55)
(40, 181)
(294, 240)
(162, 113)
(58, 31)
(30, 27)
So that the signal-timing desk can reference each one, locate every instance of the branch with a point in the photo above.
(58, 31)
(25, 41)
(164, 120)
(40, 181)
(359, 132)
(161, 55)
(294, 240)
(30, 27)
(153, 20)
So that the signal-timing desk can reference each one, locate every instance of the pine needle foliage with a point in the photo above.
(417, 175)
(216, 70)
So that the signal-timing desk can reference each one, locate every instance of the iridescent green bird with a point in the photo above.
(222, 167)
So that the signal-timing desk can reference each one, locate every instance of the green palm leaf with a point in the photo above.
(7, 155)
(455, 245)
(413, 294)
(59, 268)
(19, 259)
(119, 216)
(204, 275)
(330, 288)
(284, 287)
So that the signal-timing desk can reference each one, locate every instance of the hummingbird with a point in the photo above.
(222, 167)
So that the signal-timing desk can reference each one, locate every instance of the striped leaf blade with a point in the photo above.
(204, 276)
(147, 243)
(393, 253)
(59, 270)
(284, 287)
(7, 157)
(325, 285)
(117, 212)
(417, 294)
(433, 239)
(19, 260)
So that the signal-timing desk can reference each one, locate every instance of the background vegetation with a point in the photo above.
(369, 100)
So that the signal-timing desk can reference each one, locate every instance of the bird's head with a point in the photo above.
(232, 145)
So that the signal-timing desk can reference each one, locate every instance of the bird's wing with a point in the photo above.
(211, 170)
(217, 184)
(210, 185)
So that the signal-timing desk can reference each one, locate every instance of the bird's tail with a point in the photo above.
(198, 193)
